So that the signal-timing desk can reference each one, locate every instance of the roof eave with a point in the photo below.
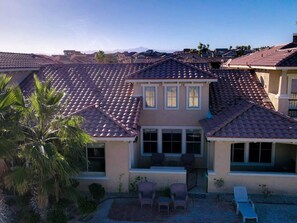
(118, 139)
(19, 69)
(238, 139)
(262, 67)
(168, 80)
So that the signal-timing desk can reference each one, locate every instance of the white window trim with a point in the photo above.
(187, 96)
(156, 95)
(184, 149)
(165, 96)
(246, 157)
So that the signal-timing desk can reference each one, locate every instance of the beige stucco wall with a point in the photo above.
(161, 178)
(269, 79)
(180, 117)
(282, 183)
(116, 163)
(17, 76)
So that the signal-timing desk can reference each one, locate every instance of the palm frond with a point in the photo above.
(18, 179)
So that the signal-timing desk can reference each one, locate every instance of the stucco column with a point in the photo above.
(222, 158)
(283, 80)
(296, 161)
(282, 96)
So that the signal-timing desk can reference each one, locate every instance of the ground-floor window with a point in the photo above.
(237, 152)
(168, 140)
(95, 154)
(193, 141)
(172, 140)
(260, 152)
(150, 140)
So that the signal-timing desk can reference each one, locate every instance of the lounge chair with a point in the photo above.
(179, 195)
(146, 193)
(244, 205)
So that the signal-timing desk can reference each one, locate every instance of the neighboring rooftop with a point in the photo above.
(277, 56)
(98, 93)
(10, 61)
(170, 69)
(234, 85)
(249, 120)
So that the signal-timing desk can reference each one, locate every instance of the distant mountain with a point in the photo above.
(137, 49)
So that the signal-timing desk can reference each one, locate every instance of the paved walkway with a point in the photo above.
(201, 211)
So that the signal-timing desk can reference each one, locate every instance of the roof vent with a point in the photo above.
(294, 37)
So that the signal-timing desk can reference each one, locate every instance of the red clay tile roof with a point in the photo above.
(22, 60)
(99, 93)
(278, 56)
(234, 85)
(249, 120)
(170, 69)
(201, 66)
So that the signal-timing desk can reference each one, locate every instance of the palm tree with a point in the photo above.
(52, 146)
(9, 97)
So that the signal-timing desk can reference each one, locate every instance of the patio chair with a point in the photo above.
(188, 161)
(179, 195)
(244, 205)
(157, 159)
(146, 193)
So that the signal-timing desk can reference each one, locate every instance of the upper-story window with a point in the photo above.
(150, 97)
(193, 97)
(171, 97)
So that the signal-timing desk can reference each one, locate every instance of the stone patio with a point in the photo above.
(207, 210)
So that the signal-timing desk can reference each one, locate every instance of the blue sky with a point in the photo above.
(51, 26)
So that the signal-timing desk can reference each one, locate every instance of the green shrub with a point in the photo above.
(97, 191)
(56, 215)
(63, 203)
(86, 206)
(31, 217)
(133, 187)
(74, 183)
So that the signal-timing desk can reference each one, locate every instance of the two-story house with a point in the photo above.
(222, 116)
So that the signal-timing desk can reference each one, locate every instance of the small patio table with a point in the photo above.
(164, 202)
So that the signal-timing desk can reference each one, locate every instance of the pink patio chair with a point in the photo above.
(146, 193)
(179, 195)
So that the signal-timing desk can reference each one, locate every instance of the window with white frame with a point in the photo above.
(171, 97)
(237, 152)
(193, 97)
(150, 140)
(193, 141)
(172, 140)
(260, 152)
(95, 155)
(150, 97)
